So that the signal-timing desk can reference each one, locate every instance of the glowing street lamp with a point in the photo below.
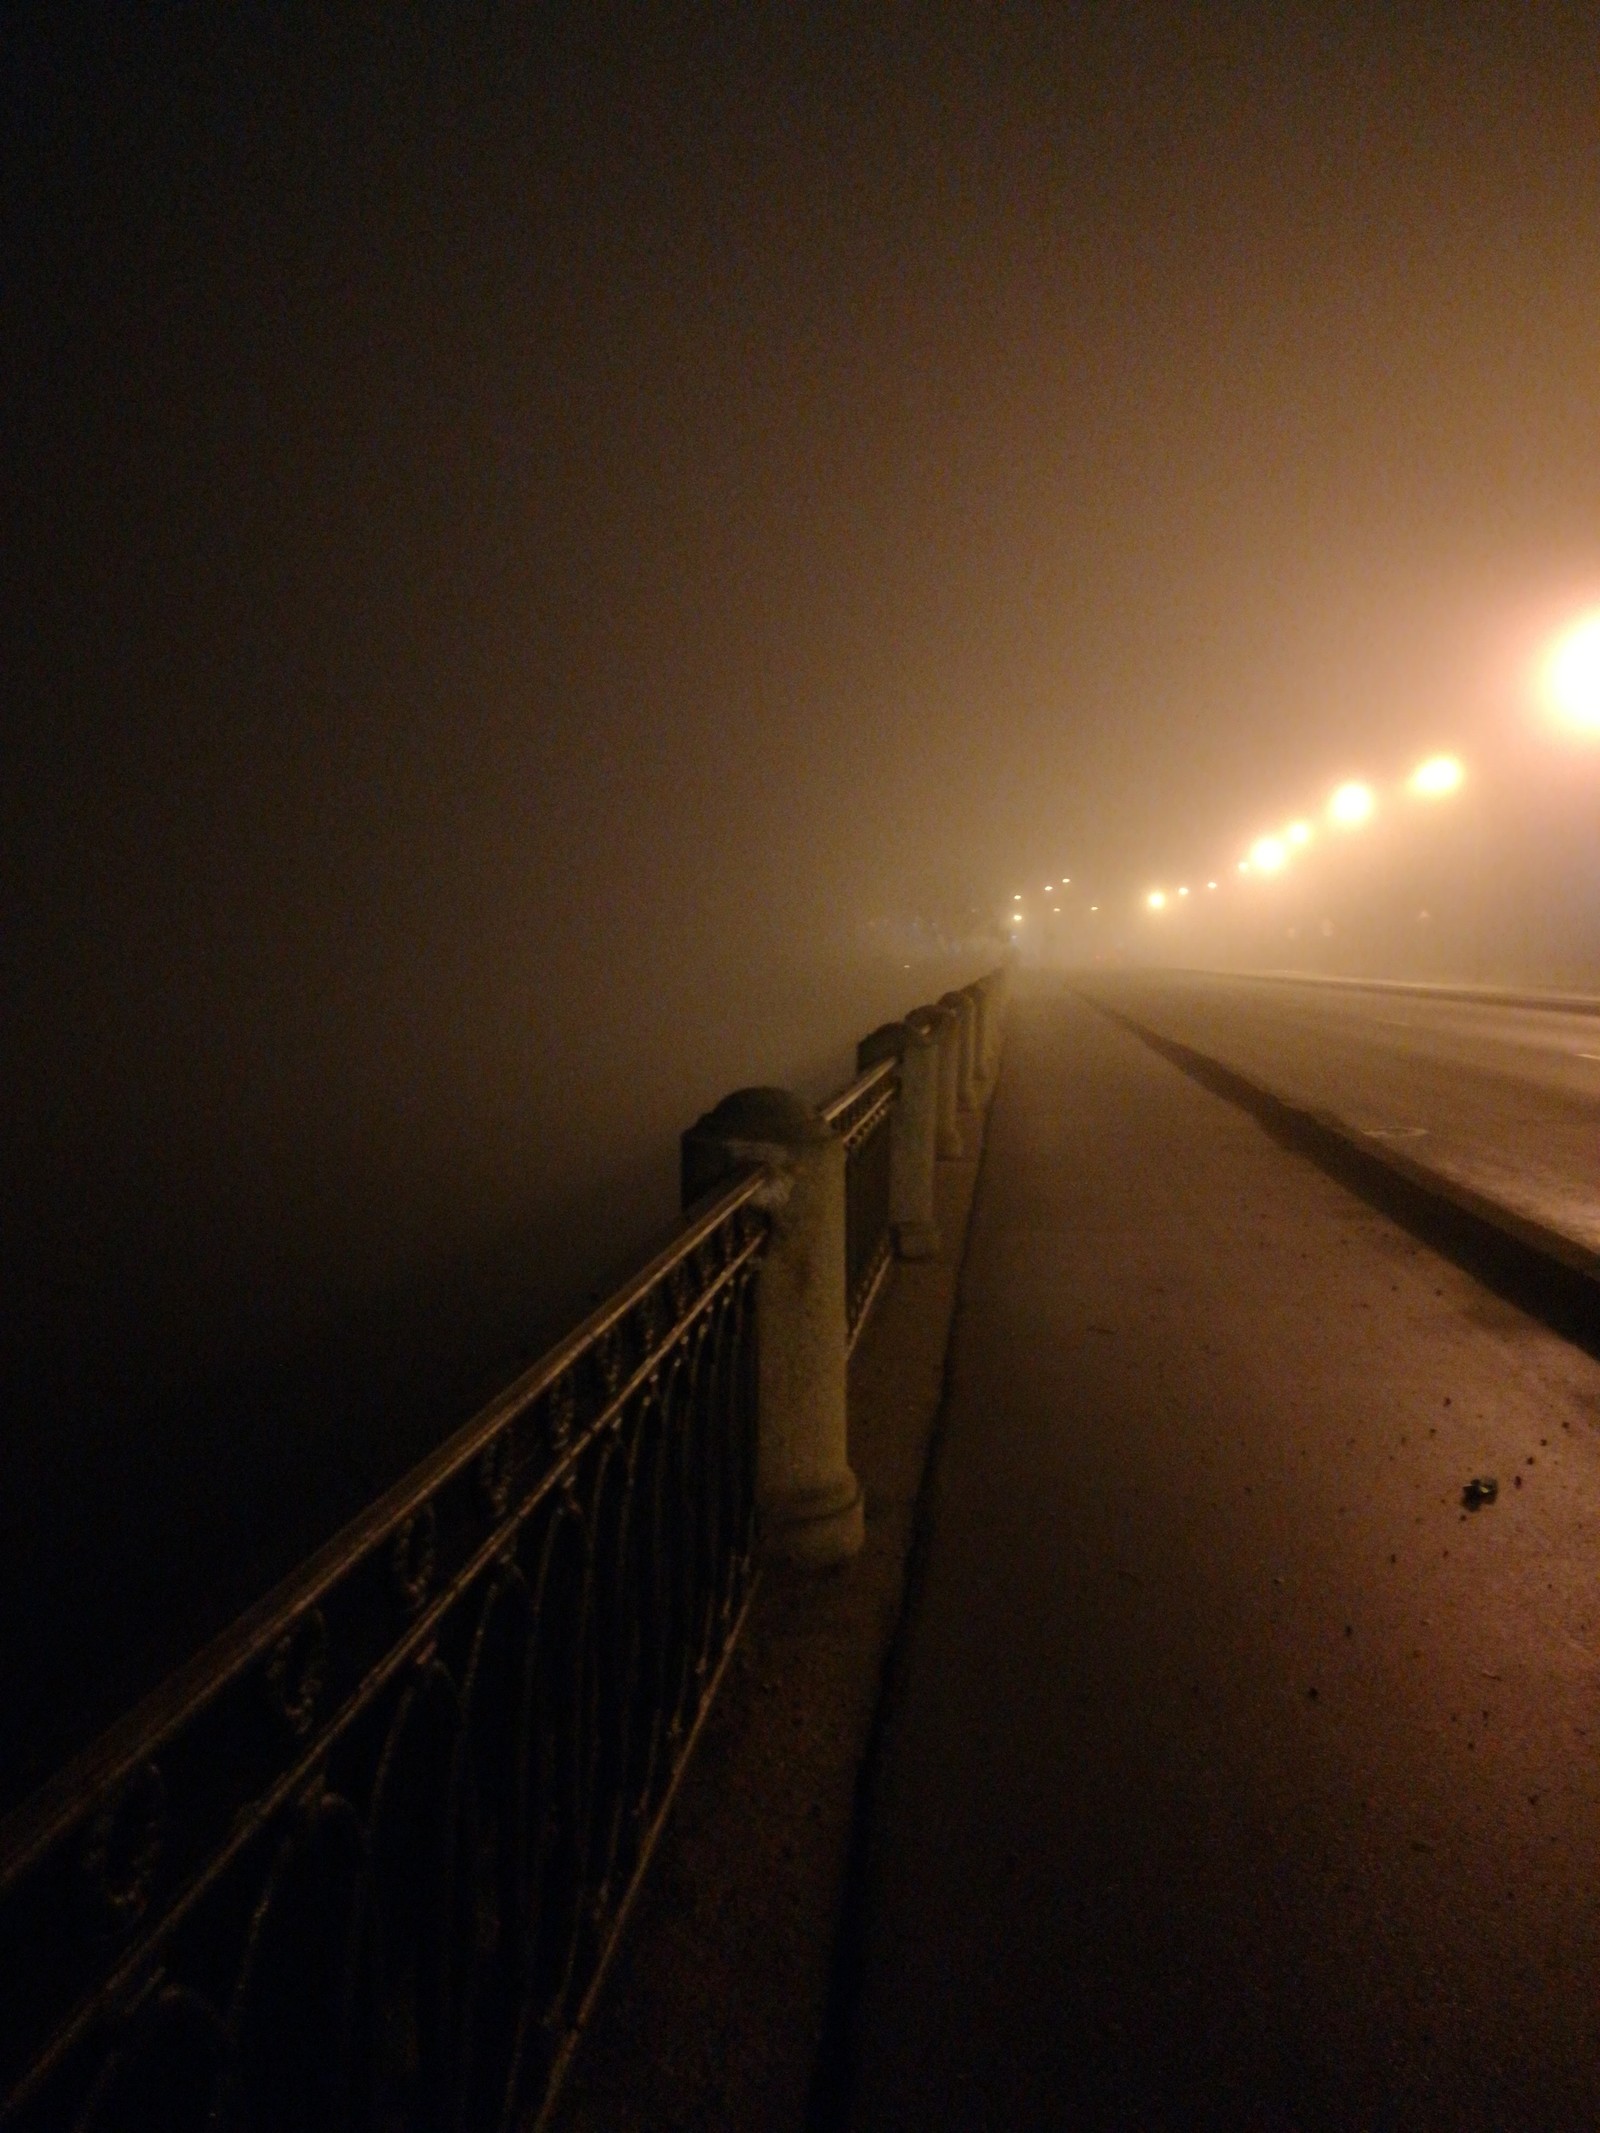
(1572, 678)
(1269, 855)
(1157, 900)
(1351, 806)
(1298, 833)
(1437, 778)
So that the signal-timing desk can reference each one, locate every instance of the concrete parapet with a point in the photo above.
(808, 1498)
(913, 1131)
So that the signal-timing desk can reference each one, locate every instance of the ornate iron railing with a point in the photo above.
(862, 1116)
(362, 1862)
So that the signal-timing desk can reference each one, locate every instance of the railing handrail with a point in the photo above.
(40, 1819)
(480, 1691)
(836, 1106)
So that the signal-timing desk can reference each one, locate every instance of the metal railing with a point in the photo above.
(361, 1863)
(862, 1115)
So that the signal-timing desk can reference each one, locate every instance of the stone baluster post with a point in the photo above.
(1000, 980)
(945, 1026)
(913, 1132)
(993, 984)
(808, 1499)
(967, 1087)
(982, 1037)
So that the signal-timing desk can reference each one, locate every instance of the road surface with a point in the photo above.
(1500, 1102)
(1234, 1774)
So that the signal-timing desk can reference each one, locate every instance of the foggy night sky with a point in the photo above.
(524, 529)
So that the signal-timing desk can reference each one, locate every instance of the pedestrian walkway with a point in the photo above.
(1235, 1775)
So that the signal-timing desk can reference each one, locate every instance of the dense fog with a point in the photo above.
(558, 565)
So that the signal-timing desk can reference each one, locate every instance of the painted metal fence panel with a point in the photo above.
(362, 1862)
(862, 1115)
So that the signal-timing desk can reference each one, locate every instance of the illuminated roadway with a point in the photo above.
(1234, 1774)
(1497, 1100)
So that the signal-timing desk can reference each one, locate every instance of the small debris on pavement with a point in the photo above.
(1481, 1489)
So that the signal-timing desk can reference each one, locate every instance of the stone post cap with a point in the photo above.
(774, 1117)
(891, 1040)
(750, 1126)
(933, 1017)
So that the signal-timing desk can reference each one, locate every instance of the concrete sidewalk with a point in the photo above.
(719, 1997)
(1235, 1775)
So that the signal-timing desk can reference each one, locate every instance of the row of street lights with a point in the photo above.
(1570, 687)
(1350, 806)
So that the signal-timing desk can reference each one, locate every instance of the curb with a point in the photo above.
(1547, 1273)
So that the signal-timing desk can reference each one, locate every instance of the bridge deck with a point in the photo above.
(1236, 1776)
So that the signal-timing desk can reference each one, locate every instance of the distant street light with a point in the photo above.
(1183, 892)
(1156, 900)
(1298, 833)
(1572, 677)
(1351, 806)
(1269, 855)
(1435, 779)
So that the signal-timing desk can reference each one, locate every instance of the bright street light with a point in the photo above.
(1298, 833)
(1269, 855)
(1351, 806)
(1437, 777)
(1156, 900)
(1572, 677)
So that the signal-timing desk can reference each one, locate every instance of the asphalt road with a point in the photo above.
(1499, 1101)
(1234, 1775)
